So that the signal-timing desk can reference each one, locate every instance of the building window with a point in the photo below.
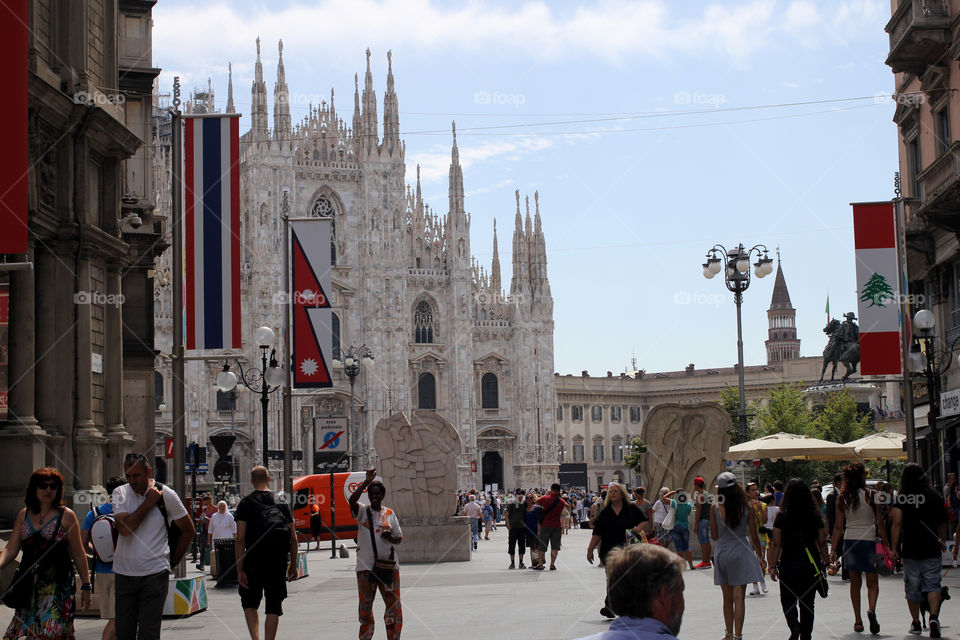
(943, 130)
(323, 208)
(559, 414)
(616, 450)
(427, 391)
(578, 455)
(913, 157)
(577, 412)
(635, 414)
(615, 414)
(226, 400)
(596, 414)
(157, 389)
(598, 450)
(561, 452)
(423, 323)
(489, 392)
(335, 335)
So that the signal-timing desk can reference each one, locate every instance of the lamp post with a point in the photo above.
(265, 380)
(737, 278)
(933, 363)
(352, 361)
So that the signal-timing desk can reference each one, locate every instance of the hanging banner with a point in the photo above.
(312, 316)
(874, 231)
(211, 231)
(14, 161)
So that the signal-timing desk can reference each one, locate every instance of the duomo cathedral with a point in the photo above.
(443, 333)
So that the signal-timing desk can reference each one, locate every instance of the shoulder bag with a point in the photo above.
(543, 512)
(823, 587)
(382, 569)
(670, 519)
(173, 529)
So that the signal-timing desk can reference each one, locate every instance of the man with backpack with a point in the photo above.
(155, 533)
(552, 505)
(99, 535)
(265, 537)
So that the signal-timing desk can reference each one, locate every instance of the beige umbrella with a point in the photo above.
(886, 445)
(789, 446)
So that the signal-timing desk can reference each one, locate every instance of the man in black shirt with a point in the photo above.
(919, 520)
(516, 530)
(265, 535)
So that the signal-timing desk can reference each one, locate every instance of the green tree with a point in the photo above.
(786, 411)
(634, 458)
(839, 420)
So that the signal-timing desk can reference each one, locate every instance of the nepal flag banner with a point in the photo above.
(312, 351)
(878, 282)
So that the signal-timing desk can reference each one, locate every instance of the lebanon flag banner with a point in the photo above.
(875, 241)
(312, 316)
(14, 161)
(211, 220)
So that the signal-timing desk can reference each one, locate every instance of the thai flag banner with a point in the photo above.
(312, 353)
(211, 221)
(878, 282)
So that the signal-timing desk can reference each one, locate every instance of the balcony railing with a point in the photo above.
(919, 31)
(940, 190)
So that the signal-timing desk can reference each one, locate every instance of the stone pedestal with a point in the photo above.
(435, 540)
(862, 392)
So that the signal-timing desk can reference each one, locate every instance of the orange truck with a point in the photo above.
(315, 489)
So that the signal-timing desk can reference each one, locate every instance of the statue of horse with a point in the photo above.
(839, 351)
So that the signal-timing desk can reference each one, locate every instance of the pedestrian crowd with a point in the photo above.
(788, 533)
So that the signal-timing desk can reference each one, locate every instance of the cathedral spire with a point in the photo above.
(455, 188)
(418, 203)
(520, 282)
(495, 284)
(230, 106)
(782, 343)
(258, 101)
(281, 101)
(370, 127)
(357, 118)
(391, 116)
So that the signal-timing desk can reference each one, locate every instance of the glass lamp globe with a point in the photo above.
(226, 381)
(714, 265)
(916, 361)
(708, 272)
(264, 337)
(743, 265)
(366, 361)
(274, 376)
(924, 320)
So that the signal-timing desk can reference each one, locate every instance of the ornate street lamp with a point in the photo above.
(353, 359)
(265, 380)
(933, 363)
(737, 278)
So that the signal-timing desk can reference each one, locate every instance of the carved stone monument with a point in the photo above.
(684, 442)
(418, 464)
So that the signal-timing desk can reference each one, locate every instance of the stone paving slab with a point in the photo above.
(481, 599)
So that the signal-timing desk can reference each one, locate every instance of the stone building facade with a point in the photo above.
(444, 334)
(80, 334)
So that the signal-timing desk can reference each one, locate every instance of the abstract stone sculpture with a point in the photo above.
(684, 442)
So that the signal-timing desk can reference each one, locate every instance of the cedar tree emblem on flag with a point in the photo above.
(877, 291)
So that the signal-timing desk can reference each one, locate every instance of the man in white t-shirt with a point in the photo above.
(142, 561)
(377, 525)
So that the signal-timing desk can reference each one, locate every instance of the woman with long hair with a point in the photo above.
(760, 512)
(799, 541)
(49, 535)
(732, 522)
(618, 516)
(857, 521)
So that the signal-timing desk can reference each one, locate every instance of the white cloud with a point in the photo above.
(435, 164)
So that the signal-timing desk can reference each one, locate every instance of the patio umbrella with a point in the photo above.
(885, 445)
(789, 446)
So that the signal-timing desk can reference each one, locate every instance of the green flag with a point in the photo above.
(828, 308)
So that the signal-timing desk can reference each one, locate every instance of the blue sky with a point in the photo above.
(652, 131)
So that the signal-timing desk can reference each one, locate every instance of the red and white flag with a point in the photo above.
(211, 221)
(14, 161)
(878, 282)
(312, 316)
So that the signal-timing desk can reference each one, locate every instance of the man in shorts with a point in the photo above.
(550, 527)
(103, 579)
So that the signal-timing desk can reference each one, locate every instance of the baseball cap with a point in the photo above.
(698, 481)
(726, 479)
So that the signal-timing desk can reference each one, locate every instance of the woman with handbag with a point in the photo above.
(857, 518)
(796, 557)
(43, 588)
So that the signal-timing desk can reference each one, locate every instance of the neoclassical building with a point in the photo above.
(444, 334)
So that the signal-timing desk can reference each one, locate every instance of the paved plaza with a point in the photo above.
(482, 599)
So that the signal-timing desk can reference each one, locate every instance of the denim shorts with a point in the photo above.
(703, 532)
(858, 555)
(681, 538)
(921, 577)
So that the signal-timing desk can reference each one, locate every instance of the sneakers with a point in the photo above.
(763, 585)
(934, 625)
(474, 545)
(606, 613)
(915, 628)
(703, 565)
(512, 566)
(522, 566)
(755, 592)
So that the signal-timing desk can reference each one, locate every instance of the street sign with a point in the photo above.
(950, 403)
(223, 471)
(201, 468)
(330, 435)
(168, 446)
(330, 462)
(277, 454)
(222, 444)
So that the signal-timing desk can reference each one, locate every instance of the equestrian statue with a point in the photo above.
(843, 346)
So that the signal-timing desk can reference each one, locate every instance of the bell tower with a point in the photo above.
(782, 342)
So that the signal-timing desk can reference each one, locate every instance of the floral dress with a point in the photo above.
(51, 615)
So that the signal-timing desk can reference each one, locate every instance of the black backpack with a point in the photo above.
(173, 530)
(271, 533)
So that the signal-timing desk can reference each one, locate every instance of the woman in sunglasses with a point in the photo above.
(43, 589)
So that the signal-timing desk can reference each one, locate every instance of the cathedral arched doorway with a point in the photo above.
(492, 470)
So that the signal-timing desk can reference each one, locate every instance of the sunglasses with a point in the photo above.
(53, 484)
